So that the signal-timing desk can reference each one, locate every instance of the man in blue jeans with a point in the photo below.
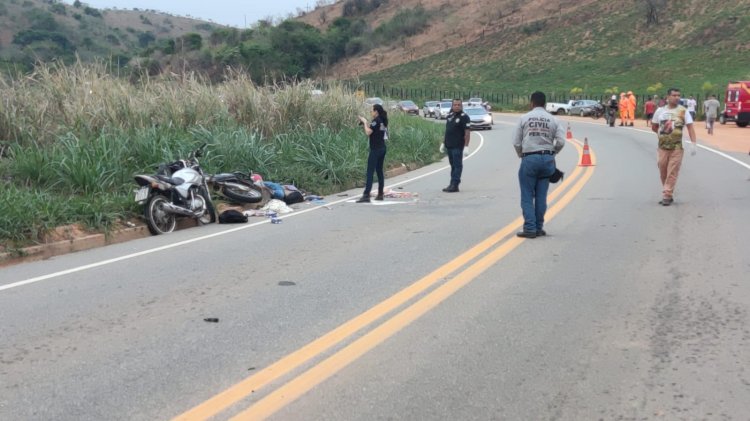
(538, 137)
(457, 135)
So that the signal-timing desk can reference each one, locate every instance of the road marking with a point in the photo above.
(209, 236)
(241, 390)
(300, 385)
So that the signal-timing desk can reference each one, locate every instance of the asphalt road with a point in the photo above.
(423, 308)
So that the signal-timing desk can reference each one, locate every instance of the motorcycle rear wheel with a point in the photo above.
(158, 220)
(241, 193)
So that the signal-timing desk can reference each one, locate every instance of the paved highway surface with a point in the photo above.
(416, 309)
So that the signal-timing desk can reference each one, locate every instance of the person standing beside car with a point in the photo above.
(377, 132)
(537, 139)
(457, 135)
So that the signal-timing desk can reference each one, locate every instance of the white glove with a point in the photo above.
(466, 151)
(693, 148)
(442, 148)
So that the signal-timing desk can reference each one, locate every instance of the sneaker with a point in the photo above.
(666, 201)
(364, 199)
(526, 234)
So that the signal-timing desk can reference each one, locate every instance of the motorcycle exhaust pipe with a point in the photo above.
(172, 208)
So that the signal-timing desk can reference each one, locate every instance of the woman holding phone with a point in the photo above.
(377, 132)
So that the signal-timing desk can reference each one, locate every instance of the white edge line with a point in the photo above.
(205, 237)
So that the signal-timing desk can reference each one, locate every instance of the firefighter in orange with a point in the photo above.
(631, 107)
(623, 108)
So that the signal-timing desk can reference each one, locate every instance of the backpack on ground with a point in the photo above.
(231, 216)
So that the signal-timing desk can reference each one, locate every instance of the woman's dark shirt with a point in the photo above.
(377, 137)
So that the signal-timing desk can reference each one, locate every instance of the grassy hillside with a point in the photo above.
(49, 30)
(594, 48)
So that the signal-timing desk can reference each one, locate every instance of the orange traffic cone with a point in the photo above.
(586, 157)
(569, 135)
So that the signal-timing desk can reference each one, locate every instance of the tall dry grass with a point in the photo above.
(86, 98)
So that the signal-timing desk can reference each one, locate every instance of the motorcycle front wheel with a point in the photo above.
(158, 220)
(241, 193)
(209, 216)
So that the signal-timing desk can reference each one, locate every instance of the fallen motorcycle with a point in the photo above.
(178, 189)
(237, 187)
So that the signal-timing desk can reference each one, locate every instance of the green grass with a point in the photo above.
(71, 159)
(594, 51)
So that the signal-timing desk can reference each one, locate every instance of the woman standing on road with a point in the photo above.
(377, 131)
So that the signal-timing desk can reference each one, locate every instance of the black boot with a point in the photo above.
(380, 195)
(452, 188)
(364, 199)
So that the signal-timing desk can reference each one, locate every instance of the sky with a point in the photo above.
(236, 13)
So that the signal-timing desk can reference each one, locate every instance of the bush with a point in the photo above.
(190, 42)
(92, 12)
(58, 8)
(405, 23)
(26, 37)
(533, 27)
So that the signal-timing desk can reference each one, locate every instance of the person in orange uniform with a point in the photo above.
(631, 106)
(623, 108)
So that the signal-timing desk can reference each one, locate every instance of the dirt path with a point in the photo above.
(728, 138)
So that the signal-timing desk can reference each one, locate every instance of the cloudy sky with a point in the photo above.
(227, 12)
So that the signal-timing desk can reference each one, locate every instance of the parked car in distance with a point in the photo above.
(373, 101)
(429, 108)
(480, 118)
(559, 108)
(584, 107)
(408, 107)
(442, 109)
(391, 105)
(475, 102)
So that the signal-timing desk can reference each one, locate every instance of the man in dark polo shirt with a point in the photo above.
(457, 136)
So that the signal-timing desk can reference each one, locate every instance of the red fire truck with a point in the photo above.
(737, 104)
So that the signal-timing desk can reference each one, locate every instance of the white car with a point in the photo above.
(480, 118)
(442, 109)
(559, 108)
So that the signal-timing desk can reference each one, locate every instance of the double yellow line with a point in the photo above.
(301, 384)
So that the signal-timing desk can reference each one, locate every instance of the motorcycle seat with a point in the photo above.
(173, 181)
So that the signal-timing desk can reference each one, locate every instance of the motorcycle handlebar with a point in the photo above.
(199, 152)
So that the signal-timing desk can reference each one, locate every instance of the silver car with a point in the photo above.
(480, 118)
(442, 109)
(429, 108)
(584, 107)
